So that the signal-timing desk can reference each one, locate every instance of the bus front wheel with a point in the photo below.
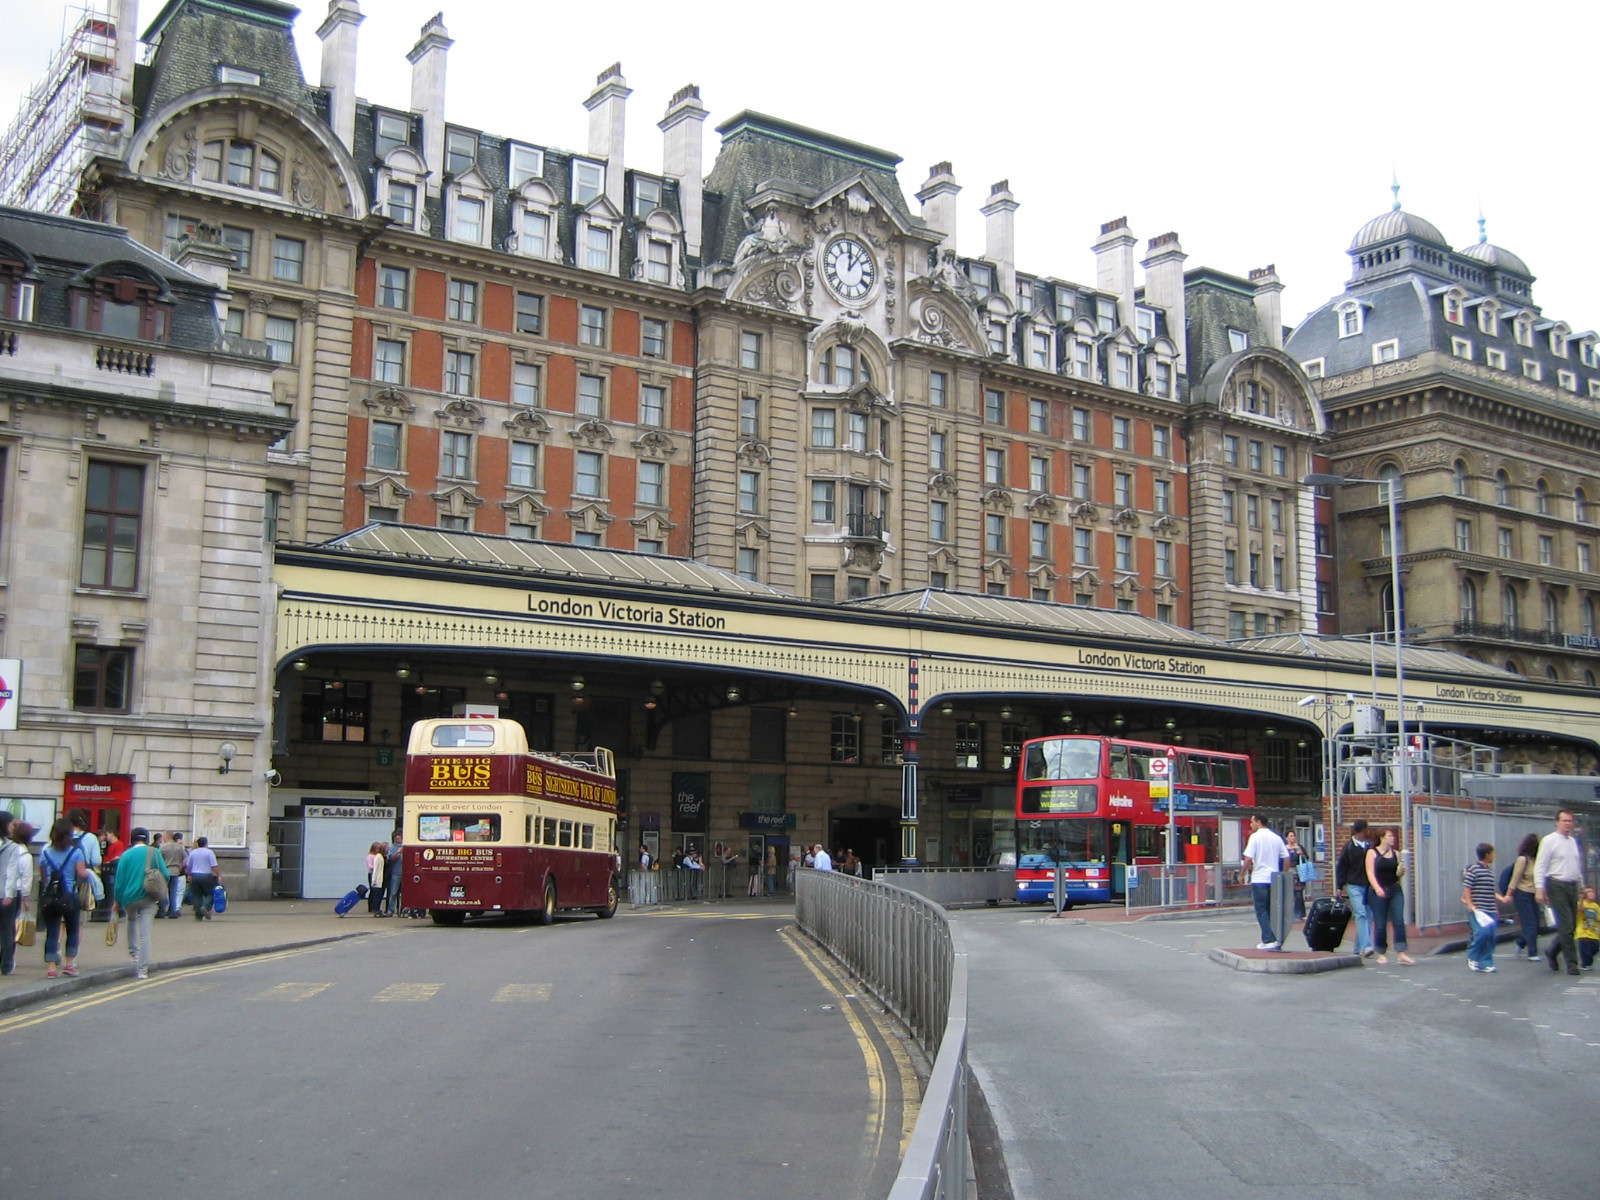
(547, 914)
(446, 916)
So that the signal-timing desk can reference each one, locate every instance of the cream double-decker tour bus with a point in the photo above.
(491, 827)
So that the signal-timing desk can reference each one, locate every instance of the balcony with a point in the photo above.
(1532, 637)
(863, 527)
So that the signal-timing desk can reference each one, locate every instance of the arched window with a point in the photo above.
(1588, 678)
(1511, 665)
(1508, 607)
(1588, 618)
(1580, 505)
(241, 164)
(1469, 601)
(1502, 487)
(1461, 478)
(1541, 498)
(1552, 613)
(1552, 673)
(1387, 599)
(841, 366)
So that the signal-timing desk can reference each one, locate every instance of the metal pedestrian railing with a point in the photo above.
(952, 885)
(670, 885)
(907, 952)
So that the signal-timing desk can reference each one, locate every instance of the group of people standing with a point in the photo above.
(78, 871)
(384, 877)
(1371, 874)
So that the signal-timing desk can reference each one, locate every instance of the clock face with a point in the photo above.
(849, 268)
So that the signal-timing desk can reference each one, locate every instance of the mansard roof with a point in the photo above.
(192, 38)
(1395, 224)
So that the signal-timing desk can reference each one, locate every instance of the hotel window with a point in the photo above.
(1122, 489)
(1024, 296)
(402, 207)
(1230, 507)
(462, 304)
(1505, 544)
(1252, 511)
(241, 242)
(1080, 424)
(1467, 598)
(112, 515)
(591, 395)
(384, 454)
(1163, 495)
(1532, 370)
(1495, 358)
(1238, 340)
(823, 432)
(460, 150)
(1161, 441)
(1230, 566)
(1324, 597)
(1255, 569)
(1121, 433)
(1464, 536)
(658, 261)
(982, 277)
(1315, 369)
(750, 351)
(389, 361)
(1082, 481)
(938, 458)
(584, 538)
(1350, 318)
(838, 367)
(1164, 558)
(938, 519)
(994, 533)
(1230, 450)
(1546, 550)
(749, 492)
(1039, 539)
(1041, 350)
(1038, 416)
(1039, 473)
(1083, 360)
(101, 676)
(1323, 536)
(653, 406)
(1124, 547)
(822, 587)
(1459, 476)
(1236, 624)
(597, 248)
(1580, 506)
(1066, 306)
(586, 473)
(1163, 378)
(378, 514)
(646, 196)
(749, 562)
(1567, 381)
(279, 336)
(1280, 460)
(1502, 487)
(1123, 376)
(394, 287)
(652, 483)
(822, 502)
(535, 238)
(591, 325)
(1255, 456)
(1552, 613)
(1275, 515)
(1588, 619)
(653, 337)
(1461, 347)
(1522, 329)
(525, 163)
(455, 456)
(468, 219)
(994, 467)
(856, 432)
(1144, 324)
(524, 465)
(525, 384)
(1541, 498)
(390, 133)
(460, 372)
(650, 546)
(1166, 613)
(1585, 558)
(241, 164)
(1452, 308)
(1083, 546)
(844, 738)
(994, 407)
(288, 260)
(1277, 572)
(588, 181)
(969, 746)
(938, 389)
(1105, 314)
(1509, 606)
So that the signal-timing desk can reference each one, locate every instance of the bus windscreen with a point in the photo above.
(1063, 758)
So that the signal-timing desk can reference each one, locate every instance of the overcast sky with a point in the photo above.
(1262, 132)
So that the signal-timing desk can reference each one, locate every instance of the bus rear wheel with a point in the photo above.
(445, 916)
(547, 914)
(609, 909)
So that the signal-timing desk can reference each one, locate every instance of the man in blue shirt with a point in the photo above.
(200, 867)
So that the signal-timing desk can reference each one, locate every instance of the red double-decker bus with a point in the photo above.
(491, 827)
(1084, 803)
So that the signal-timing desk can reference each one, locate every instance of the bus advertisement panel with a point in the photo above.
(491, 827)
(1097, 805)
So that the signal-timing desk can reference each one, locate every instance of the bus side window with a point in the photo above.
(549, 831)
(1182, 771)
(1200, 768)
(1241, 773)
(1140, 762)
(586, 839)
(1119, 762)
(527, 830)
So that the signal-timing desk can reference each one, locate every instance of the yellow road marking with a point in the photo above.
(76, 1004)
(294, 991)
(513, 992)
(409, 992)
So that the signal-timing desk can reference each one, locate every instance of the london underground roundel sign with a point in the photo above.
(10, 691)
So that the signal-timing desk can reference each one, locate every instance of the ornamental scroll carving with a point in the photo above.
(459, 414)
(933, 327)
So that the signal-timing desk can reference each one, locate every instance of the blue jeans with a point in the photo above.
(1261, 893)
(1528, 918)
(1481, 951)
(1356, 893)
(1389, 910)
(52, 932)
(175, 894)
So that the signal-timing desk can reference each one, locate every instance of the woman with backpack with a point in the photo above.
(1518, 881)
(16, 884)
(61, 868)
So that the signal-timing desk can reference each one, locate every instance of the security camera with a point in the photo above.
(1309, 700)
(272, 777)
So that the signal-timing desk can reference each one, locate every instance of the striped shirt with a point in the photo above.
(1478, 879)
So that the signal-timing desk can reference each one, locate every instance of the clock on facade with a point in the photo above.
(848, 268)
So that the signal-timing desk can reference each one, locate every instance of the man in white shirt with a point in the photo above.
(1264, 855)
(820, 858)
(1557, 876)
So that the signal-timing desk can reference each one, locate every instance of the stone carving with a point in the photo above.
(305, 189)
(755, 453)
(459, 414)
(179, 161)
(1126, 518)
(996, 497)
(768, 236)
(776, 289)
(389, 402)
(593, 433)
(259, 302)
(933, 327)
(948, 276)
(1084, 511)
(308, 310)
(1042, 505)
(943, 484)
(864, 556)
(528, 424)
(655, 444)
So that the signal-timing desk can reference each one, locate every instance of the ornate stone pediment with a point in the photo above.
(1166, 524)
(391, 403)
(943, 484)
(459, 413)
(1084, 511)
(996, 497)
(1042, 504)
(864, 556)
(528, 424)
(1126, 518)
(655, 444)
(755, 453)
(593, 433)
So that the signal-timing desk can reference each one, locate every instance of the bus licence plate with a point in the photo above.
(459, 892)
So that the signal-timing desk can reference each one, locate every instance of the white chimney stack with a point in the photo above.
(126, 15)
(338, 34)
(607, 109)
(427, 94)
(1000, 245)
(681, 160)
(1163, 289)
(1113, 257)
(938, 200)
(1269, 303)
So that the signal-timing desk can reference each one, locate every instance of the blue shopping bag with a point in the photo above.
(219, 899)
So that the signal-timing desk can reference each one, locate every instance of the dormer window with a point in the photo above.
(1386, 351)
(1039, 354)
(1105, 314)
(646, 196)
(1531, 369)
(241, 164)
(524, 163)
(532, 220)
(1453, 311)
(1238, 340)
(588, 180)
(467, 219)
(1489, 319)
(1524, 330)
(1144, 324)
(1066, 305)
(390, 132)
(982, 277)
(122, 306)
(402, 204)
(1352, 317)
(597, 248)
(1558, 341)
(460, 151)
(227, 74)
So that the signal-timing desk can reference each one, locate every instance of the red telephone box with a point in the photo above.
(108, 799)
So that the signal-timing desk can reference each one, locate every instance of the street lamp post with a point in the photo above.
(1391, 497)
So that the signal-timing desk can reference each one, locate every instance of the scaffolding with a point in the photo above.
(71, 116)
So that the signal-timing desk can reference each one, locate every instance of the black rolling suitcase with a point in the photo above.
(1326, 921)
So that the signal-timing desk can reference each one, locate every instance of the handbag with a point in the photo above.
(1307, 870)
(155, 883)
(111, 932)
(26, 931)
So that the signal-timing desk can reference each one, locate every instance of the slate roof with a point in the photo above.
(1396, 223)
(193, 37)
